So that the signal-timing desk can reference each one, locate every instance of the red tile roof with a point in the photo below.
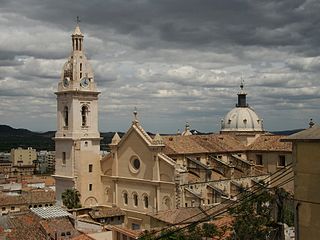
(270, 143)
(193, 144)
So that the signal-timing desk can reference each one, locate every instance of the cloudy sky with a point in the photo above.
(175, 60)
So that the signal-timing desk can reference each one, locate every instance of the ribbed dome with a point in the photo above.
(242, 119)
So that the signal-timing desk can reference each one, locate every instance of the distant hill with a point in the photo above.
(287, 132)
(14, 138)
(18, 137)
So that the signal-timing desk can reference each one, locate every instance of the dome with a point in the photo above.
(242, 119)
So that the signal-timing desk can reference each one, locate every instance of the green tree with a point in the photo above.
(71, 198)
(253, 217)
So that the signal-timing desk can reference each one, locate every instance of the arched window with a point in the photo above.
(66, 116)
(125, 198)
(135, 199)
(84, 115)
(146, 201)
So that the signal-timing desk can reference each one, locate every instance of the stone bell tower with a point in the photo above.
(77, 140)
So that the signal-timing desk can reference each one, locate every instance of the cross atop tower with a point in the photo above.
(78, 20)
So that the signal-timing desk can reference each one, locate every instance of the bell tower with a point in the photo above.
(77, 140)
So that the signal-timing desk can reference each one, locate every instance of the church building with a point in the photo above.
(146, 174)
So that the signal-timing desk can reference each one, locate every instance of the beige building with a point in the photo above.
(306, 155)
(23, 157)
(77, 139)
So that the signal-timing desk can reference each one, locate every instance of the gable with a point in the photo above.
(135, 157)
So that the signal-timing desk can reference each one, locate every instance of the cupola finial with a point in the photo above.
(135, 115)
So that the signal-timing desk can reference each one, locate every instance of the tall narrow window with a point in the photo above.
(90, 187)
(146, 201)
(90, 167)
(135, 199)
(76, 44)
(84, 115)
(80, 66)
(125, 198)
(66, 116)
(64, 157)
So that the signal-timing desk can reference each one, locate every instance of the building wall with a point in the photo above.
(307, 194)
(23, 157)
(270, 160)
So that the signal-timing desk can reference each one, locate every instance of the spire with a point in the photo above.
(116, 139)
(158, 139)
(77, 37)
(242, 95)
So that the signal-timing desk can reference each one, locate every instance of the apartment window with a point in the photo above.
(90, 187)
(3, 208)
(64, 156)
(186, 204)
(135, 199)
(90, 167)
(259, 160)
(282, 161)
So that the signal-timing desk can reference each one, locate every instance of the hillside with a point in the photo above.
(14, 138)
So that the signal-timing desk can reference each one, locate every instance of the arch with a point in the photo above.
(135, 199)
(108, 194)
(84, 115)
(91, 201)
(125, 197)
(145, 198)
(66, 116)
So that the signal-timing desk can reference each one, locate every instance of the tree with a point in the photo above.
(71, 198)
(253, 216)
(261, 214)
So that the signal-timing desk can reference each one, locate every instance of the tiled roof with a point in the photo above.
(270, 143)
(25, 226)
(6, 200)
(308, 134)
(82, 237)
(35, 196)
(186, 215)
(58, 225)
(209, 143)
(102, 212)
(128, 232)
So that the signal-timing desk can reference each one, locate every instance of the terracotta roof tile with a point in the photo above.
(58, 225)
(186, 215)
(25, 226)
(194, 144)
(270, 143)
